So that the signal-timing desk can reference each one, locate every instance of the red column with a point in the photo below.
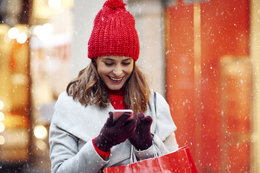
(224, 31)
(179, 71)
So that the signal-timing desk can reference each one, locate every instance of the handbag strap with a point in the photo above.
(133, 158)
(155, 109)
(155, 114)
(154, 100)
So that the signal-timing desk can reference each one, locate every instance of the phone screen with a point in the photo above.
(118, 112)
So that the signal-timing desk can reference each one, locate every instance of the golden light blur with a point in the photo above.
(40, 132)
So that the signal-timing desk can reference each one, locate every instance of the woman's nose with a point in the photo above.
(118, 70)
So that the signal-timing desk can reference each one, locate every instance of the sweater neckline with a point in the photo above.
(116, 98)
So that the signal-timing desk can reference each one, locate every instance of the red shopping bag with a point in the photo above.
(179, 161)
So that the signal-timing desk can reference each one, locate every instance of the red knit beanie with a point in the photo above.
(114, 32)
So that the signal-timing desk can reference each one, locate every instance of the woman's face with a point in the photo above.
(114, 70)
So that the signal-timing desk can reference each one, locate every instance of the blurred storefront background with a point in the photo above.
(207, 59)
(212, 71)
(34, 68)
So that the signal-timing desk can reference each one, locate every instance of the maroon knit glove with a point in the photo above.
(142, 139)
(116, 132)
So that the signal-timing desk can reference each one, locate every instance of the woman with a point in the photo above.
(83, 135)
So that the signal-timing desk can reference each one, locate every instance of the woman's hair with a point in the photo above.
(89, 89)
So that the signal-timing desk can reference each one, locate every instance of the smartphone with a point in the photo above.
(118, 112)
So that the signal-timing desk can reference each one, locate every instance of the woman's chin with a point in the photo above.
(115, 87)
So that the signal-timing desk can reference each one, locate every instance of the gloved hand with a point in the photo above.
(142, 139)
(114, 133)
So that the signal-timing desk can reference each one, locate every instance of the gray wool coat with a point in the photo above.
(73, 127)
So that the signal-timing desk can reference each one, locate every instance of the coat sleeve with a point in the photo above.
(65, 157)
(164, 140)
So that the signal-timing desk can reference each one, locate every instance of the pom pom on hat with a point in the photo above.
(114, 32)
(114, 4)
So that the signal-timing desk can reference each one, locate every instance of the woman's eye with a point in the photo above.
(125, 63)
(109, 63)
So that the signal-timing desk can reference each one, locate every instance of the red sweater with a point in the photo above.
(117, 99)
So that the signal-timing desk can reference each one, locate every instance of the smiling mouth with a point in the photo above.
(116, 79)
